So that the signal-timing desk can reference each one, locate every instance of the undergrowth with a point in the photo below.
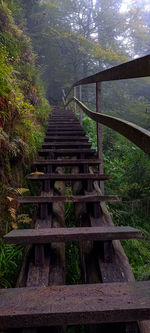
(10, 260)
(129, 171)
(24, 112)
(73, 272)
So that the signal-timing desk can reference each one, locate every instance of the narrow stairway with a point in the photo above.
(107, 300)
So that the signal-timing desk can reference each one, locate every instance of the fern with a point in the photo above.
(23, 218)
(21, 190)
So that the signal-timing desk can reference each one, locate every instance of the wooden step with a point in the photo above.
(76, 125)
(68, 115)
(67, 129)
(68, 162)
(61, 124)
(65, 118)
(65, 138)
(80, 176)
(52, 132)
(71, 198)
(42, 236)
(74, 305)
(66, 144)
(64, 122)
(66, 151)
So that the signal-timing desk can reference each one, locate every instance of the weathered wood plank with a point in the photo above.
(66, 144)
(72, 198)
(79, 176)
(73, 305)
(67, 151)
(77, 133)
(65, 122)
(48, 235)
(65, 138)
(65, 128)
(67, 162)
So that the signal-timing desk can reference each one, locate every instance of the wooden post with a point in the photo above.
(75, 95)
(64, 98)
(99, 133)
(80, 98)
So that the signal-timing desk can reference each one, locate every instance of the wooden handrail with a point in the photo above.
(129, 70)
(136, 134)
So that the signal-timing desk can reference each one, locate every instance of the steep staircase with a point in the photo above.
(106, 301)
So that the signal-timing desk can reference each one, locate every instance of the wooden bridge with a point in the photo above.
(109, 300)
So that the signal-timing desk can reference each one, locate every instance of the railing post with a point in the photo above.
(80, 98)
(75, 95)
(64, 98)
(99, 132)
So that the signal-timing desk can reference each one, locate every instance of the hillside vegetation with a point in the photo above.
(23, 114)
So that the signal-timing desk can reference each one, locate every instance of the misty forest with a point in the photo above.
(46, 46)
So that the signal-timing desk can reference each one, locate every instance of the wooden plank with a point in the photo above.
(67, 151)
(73, 305)
(65, 120)
(80, 176)
(65, 138)
(48, 235)
(66, 144)
(72, 198)
(62, 126)
(132, 69)
(64, 117)
(60, 121)
(66, 130)
(52, 132)
(67, 162)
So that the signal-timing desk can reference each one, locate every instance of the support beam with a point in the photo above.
(99, 132)
(75, 95)
(80, 98)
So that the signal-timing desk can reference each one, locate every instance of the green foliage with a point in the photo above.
(138, 253)
(73, 274)
(5, 73)
(129, 171)
(90, 129)
(23, 106)
(12, 45)
(24, 111)
(10, 259)
(128, 166)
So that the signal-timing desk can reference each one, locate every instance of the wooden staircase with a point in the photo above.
(106, 301)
